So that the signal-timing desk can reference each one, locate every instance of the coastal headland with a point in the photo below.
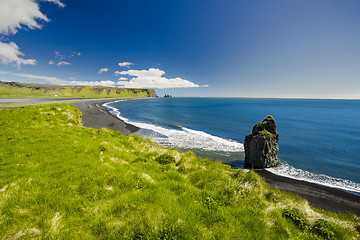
(59, 179)
(95, 115)
(26, 90)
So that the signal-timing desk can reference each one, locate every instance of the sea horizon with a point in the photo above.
(299, 98)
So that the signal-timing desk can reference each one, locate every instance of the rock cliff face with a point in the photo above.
(261, 147)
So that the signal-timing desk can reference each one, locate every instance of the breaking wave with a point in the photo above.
(289, 171)
(181, 137)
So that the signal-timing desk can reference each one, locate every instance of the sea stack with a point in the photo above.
(261, 147)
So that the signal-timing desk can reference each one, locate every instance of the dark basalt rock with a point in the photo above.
(261, 147)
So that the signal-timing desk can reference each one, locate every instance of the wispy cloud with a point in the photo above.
(73, 54)
(58, 81)
(152, 78)
(10, 55)
(125, 64)
(59, 55)
(57, 2)
(32, 76)
(103, 70)
(123, 78)
(106, 83)
(63, 63)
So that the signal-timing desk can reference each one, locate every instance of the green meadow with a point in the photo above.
(60, 180)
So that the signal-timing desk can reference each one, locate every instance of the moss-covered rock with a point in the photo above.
(261, 147)
(267, 126)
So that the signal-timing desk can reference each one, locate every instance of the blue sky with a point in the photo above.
(228, 48)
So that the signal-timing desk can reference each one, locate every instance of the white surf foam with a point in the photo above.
(287, 170)
(184, 138)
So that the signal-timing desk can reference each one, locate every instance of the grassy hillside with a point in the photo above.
(61, 180)
(23, 90)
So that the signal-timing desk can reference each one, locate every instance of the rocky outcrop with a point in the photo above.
(261, 147)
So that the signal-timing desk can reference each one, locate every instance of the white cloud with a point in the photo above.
(141, 79)
(103, 70)
(60, 4)
(125, 64)
(10, 54)
(15, 14)
(72, 78)
(152, 78)
(55, 80)
(106, 83)
(123, 78)
(152, 72)
(62, 63)
(51, 62)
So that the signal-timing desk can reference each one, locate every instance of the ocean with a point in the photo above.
(319, 140)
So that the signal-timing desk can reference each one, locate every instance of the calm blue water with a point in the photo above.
(319, 139)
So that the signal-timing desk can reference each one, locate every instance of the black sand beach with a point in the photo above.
(95, 115)
(319, 196)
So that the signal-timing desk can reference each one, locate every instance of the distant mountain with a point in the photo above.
(27, 90)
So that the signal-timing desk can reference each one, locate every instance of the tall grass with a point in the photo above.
(61, 180)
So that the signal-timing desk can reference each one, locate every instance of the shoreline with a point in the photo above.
(327, 198)
(319, 196)
(95, 115)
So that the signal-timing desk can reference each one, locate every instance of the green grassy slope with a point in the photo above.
(61, 180)
(23, 90)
